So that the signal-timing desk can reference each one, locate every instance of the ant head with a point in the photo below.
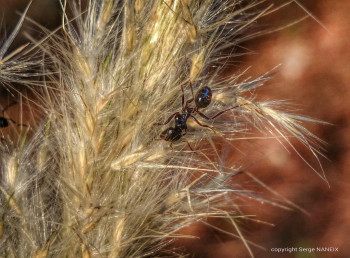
(178, 117)
(203, 97)
(171, 134)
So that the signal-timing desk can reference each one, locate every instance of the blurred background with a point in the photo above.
(314, 73)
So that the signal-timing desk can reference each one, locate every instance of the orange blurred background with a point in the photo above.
(315, 74)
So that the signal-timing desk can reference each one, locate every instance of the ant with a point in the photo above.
(202, 100)
(4, 122)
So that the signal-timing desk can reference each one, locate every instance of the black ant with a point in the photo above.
(202, 100)
(4, 122)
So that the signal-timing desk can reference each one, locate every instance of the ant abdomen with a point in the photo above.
(203, 97)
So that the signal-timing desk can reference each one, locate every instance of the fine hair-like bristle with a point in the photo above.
(93, 178)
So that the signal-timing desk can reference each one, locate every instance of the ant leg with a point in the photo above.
(221, 112)
(13, 121)
(183, 92)
(190, 100)
(186, 64)
(218, 114)
(184, 140)
(183, 97)
(191, 90)
(202, 115)
(169, 119)
(170, 144)
(195, 119)
(4, 122)
(188, 144)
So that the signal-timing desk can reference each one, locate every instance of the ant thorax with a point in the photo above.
(181, 119)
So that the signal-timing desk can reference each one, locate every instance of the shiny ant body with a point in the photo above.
(202, 100)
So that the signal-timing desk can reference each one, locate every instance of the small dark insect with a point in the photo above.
(201, 100)
(4, 122)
